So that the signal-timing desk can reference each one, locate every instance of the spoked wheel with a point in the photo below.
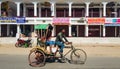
(36, 58)
(78, 56)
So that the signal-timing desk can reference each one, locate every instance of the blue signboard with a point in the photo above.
(12, 20)
(20, 19)
(7, 19)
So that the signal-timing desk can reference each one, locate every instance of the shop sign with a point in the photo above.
(61, 21)
(20, 19)
(12, 20)
(82, 20)
(7, 20)
(96, 20)
(112, 20)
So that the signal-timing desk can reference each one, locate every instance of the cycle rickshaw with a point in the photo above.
(77, 56)
(38, 55)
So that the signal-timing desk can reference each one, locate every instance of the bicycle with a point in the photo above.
(77, 56)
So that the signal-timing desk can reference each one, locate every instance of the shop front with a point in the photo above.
(112, 24)
(95, 27)
(62, 23)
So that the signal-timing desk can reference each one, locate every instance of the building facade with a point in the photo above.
(80, 18)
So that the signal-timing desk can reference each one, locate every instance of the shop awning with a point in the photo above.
(41, 26)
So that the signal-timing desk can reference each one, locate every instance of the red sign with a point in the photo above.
(96, 20)
(61, 21)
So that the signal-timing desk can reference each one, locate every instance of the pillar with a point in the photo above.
(8, 30)
(52, 9)
(87, 8)
(86, 31)
(77, 30)
(39, 10)
(18, 8)
(24, 9)
(35, 9)
(104, 31)
(18, 31)
(70, 31)
(104, 8)
(70, 9)
(53, 32)
(0, 15)
(0, 29)
(0, 8)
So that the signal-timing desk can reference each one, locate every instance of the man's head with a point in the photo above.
(62, 30)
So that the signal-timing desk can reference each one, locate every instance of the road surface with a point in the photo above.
(98, 58)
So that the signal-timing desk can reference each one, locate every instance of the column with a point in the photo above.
(70, 9)
(18, 8)
(18, 31)
(86, 31)
(53, 32)
(104, 8)
(70, 31)
(0, 15)
(18, 28)
(104, 31)
(35, 9)
(52, 9)
(87, 8)
(115, 11)
(8, 30)
(0, 8)
(39, 10)
(115, 31)
(100, 10)
(24, 9)
(77, 30)
(0, 29)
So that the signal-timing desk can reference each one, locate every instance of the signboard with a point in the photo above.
(61, 21)
(96, 20)
(7, 20)
(20, 19)
(12, 20)
(112, 20)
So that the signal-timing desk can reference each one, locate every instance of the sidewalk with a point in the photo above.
(79, 41)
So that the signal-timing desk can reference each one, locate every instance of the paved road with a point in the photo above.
(98, 58)
(20, 62)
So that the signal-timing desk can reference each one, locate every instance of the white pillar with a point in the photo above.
(8, 30)
(24, 9)
(86, 31)
(77, 30)
(0, 8)
(104, 8)
(18, 8)
(53, 9)
(104, 31)
(18, 29)
(70, 9)
(115, 31)
(0, 29)
(35, 8)
(69, 30)
(39, 10)
(87, 8)
(53, 32)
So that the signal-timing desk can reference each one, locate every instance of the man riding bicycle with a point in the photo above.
(60, 42)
